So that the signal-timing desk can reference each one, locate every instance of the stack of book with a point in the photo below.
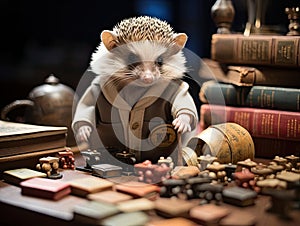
(21, 145)
(255, 83)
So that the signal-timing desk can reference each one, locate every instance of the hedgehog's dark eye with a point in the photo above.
(133, 59)
(159, 61)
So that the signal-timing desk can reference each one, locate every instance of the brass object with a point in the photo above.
(293, 16)
(228, 142)
(48, 104)
(222, 13)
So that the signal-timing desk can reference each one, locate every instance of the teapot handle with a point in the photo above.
(14, 105)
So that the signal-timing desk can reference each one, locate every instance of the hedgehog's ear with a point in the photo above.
(109, 39)
(180, 39)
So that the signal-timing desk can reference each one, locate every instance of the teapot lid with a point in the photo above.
(51, 85)
(52, 80)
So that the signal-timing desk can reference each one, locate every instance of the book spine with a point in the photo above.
(256, 49)
(266, 97)
(259, 122)
(242, 75)
(268, 148)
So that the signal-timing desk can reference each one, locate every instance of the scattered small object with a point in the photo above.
(245, 178)
(217, 171)
(293, 160)
(205, 160)
(49, 165)
(239, 196)
(106, 170)
(209, 214)
(168, 161)
(172, 187)
(92, 157)
(261, 171)
(230, 169)
(66, 159)
(184, 172)
(247, 163)
(192, 184)
(271, 183)
(209, 192)
(152, 173)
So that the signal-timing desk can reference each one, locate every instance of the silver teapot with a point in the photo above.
(48, 104)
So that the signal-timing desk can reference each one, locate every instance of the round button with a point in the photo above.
(135, 125)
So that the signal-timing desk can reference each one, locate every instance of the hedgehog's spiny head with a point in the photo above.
(144, 28)
(140, 49)
(140, 29)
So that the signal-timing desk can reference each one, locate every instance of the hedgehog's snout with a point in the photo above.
(148, 77)
(149, 73)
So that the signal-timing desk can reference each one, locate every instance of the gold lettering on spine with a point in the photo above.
(292, 128)
(267, 123)
(255, 50)
(242, 118)
(286, 53)
(298, 102)
(278, 125)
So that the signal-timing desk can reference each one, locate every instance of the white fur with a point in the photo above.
(105, 63)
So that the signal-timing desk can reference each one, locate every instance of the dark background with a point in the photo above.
(43, 37)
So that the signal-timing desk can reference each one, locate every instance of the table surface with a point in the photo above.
(17, 209)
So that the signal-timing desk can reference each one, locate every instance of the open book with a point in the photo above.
(21, 138)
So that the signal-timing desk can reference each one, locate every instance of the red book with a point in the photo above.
(268, 148)
(45, 188)
(262, 123)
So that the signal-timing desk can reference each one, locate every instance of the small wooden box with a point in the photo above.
(239, 196)
(106, 170)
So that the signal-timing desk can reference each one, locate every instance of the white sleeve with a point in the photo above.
(184, 103)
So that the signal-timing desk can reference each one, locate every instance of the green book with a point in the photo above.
(16, 176)
(92, 212)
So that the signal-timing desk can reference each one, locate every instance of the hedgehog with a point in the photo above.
(138, 100)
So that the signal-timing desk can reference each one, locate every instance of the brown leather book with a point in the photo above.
(272, 50)
(209, 214)
(23, 138)
(243, 75)
(133, 205)
(174, 207)
(89, 184)
(138, 189)
(108, 196)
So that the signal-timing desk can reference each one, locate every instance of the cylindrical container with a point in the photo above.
(229, 142)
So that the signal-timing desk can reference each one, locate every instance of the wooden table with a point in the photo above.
(17, 209)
